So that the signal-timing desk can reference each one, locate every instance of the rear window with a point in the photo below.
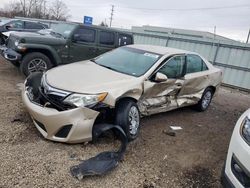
(107, 38)
(195, 64)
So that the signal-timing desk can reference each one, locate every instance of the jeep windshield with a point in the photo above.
(63, 30)
(128, 60)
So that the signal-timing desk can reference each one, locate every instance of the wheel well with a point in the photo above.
(213, 88)
(45, 52)
(124, 99)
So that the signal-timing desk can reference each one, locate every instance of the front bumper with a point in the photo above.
(237, 168)
(10, 54)
(72, 126)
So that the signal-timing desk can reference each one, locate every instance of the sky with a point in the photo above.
(231, 17)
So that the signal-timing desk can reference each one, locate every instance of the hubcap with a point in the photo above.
(134, 120)
(206, 99)
(37, 65)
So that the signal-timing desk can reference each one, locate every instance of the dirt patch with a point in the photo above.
(192, 158)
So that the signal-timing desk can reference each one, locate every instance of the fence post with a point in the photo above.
(216, 52)
(167, 41)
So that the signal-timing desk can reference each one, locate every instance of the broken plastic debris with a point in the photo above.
(105, 161)
(175, 128)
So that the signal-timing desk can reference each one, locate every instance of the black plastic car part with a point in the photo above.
(105, 161)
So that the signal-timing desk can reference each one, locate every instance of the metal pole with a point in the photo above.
(248, 36)
(111, 16)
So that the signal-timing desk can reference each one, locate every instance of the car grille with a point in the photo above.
(53, 97)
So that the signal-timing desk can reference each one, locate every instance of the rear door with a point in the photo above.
(162, 96)
(106, 41)
(196, 80)
(83, 44)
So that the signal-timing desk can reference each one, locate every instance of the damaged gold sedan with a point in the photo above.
(68, 103)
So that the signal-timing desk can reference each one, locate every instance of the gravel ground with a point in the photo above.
(193, 158)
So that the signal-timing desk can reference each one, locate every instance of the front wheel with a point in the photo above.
(205, 100)
(128, 117)
(35, 62)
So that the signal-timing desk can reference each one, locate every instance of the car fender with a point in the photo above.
(34, 47)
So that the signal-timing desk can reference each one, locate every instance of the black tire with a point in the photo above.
(201, 107)
(34, 57)
(15, 63)
(2, 41)
(122, 118)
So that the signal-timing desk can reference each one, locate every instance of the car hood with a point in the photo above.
(38, 38)
(87, 77)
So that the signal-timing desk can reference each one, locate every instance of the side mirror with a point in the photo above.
(159, 77)
(7, 27)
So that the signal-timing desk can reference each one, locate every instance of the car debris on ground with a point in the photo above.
(103, 162)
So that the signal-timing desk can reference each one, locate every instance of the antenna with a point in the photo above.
(111, 15)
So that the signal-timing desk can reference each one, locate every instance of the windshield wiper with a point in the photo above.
(110, 68)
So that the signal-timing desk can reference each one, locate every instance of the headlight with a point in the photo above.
(81, 100)
(245, 130)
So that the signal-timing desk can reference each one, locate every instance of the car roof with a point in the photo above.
(160, 49)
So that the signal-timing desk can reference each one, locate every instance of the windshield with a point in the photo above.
(127, 60)
(63, 29)
(4, 21)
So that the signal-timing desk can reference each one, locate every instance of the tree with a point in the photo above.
(59, 10)
(103, 24)
(56, 10)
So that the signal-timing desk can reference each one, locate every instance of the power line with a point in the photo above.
(111, 15)
(191, 9)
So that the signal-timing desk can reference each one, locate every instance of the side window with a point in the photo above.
(16, 24)
(31, 25)
(195, 64)
(124, 39)
(85, 35)
(107, 38)
(174, 67)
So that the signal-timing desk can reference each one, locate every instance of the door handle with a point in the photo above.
(179, 85)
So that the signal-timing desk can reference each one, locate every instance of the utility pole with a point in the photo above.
(214, 32)
(111, 15)
(248, 36)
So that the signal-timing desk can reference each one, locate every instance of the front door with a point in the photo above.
(162, 96)
(83, 45)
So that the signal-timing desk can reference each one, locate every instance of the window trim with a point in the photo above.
(165, 61)
(99, 37)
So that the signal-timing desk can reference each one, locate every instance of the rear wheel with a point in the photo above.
(35, 62)
(128, 117)
(205, 100)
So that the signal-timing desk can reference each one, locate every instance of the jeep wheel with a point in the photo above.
(35, 62)
(128, 117)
